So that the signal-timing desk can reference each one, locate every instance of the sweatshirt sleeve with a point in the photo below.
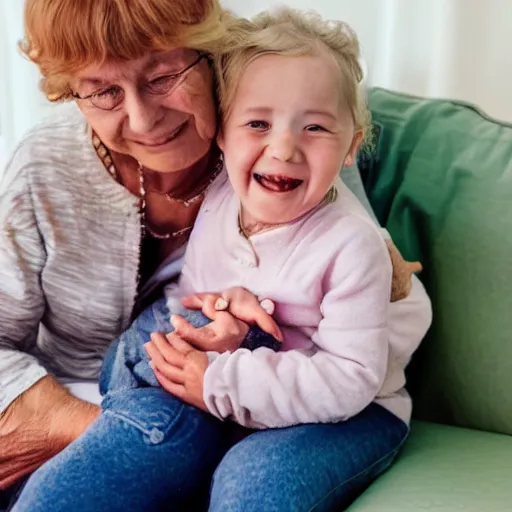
(22, 257)
(266, 389)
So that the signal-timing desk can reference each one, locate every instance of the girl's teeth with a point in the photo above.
(277, 183)
(279, 179)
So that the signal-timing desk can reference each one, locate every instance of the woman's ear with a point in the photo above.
(220, 139)
(354, 148)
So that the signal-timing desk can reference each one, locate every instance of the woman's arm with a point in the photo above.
(267, 389)
(22, 258)
(35, 410)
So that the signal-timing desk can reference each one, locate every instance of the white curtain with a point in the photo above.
(439, 48)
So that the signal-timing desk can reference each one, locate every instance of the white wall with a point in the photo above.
(21, 102)
(440, 48)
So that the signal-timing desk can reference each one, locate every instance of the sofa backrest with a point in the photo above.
(441, 182)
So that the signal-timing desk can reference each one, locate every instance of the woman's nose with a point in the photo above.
(142, 115)
(283, 147)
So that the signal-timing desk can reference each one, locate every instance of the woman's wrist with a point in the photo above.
(70, 417)
(62, 415)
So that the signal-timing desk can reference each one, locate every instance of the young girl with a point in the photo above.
(279, 223)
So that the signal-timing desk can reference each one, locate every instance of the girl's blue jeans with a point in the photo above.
(148, 451)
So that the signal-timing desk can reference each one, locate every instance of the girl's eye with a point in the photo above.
(258, 125)
(315, 128)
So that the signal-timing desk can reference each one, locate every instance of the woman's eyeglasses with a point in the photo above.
(163, 85)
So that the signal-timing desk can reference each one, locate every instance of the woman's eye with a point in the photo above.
(258, 125)
(108, 99)
(163, 82)
(315, 128)
(112, 92)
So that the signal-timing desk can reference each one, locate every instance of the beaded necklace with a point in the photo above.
(106, 158)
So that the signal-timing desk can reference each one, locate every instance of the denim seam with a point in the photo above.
(392, 452)
(138, 425)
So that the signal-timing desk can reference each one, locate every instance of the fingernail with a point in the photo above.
(268, 306)
(150, 364)
(221, 304)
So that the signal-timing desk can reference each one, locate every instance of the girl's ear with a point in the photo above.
(354, 148)
(220, 139)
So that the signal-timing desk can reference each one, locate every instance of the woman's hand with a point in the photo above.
(402, 273)
(38, 425)
(179, 367)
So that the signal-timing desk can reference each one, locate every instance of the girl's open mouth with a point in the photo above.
(277, 183)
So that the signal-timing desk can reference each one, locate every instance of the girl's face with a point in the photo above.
(158, 109)
(287, 136)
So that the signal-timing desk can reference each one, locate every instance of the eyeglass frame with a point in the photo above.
(177, 76)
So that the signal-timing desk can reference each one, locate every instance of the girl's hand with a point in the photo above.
(241, 303)
(178, 367)
(224, 333)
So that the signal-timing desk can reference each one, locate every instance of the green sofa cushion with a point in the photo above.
(441, 182)
(445, 469)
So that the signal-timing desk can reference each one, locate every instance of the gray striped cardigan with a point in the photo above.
(69, 256)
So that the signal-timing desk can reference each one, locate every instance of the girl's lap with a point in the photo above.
(307, 467)
(149, 448)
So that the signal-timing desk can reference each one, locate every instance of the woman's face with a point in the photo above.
(158, 109)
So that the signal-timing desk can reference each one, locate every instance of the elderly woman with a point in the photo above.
(96, 208)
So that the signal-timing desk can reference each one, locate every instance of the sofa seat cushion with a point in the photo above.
(445, 469)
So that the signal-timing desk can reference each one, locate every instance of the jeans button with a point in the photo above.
(156, 436)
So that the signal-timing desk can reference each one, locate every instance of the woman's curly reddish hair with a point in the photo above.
(65, 36)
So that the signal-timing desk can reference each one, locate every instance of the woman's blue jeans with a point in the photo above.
(150, 452)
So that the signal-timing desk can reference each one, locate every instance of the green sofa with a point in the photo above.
(441, 182)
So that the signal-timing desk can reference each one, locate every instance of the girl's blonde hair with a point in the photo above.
(65, 36)
(290, 32)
